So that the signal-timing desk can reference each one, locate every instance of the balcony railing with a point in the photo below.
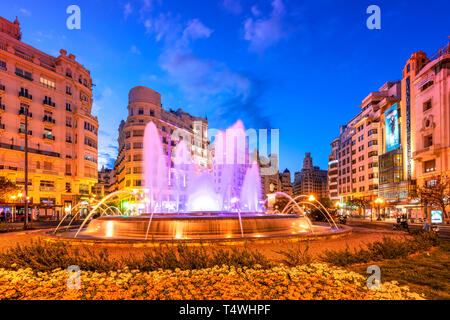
(48, 119)
(25, 95)
(442, 51)
(21, 130)
(47, 189)
(49, 137)
(48, 103)
(22, 113)
(32, 150)
(23, 56)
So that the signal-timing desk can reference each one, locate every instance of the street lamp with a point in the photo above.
(311, 198)
(338, 206)
(378, 202)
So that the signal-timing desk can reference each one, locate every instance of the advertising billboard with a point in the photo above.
(392, 128)
(436, 216)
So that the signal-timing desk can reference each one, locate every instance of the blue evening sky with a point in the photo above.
(302, 67)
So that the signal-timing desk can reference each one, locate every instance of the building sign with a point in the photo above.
(436, 216)
(392, 128)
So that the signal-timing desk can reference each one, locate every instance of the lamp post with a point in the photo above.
(338, 206)
(378, 202)
(25, 220)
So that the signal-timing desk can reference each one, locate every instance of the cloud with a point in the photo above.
(25, 11)
(127, 10)
(232, 6)
(164, 26)
(196, 30)
(209, 86)
(263, 33)
(101, 99)
(255, 11)
(135, 50)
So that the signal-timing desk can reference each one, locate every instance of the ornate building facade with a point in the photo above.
(56, 93)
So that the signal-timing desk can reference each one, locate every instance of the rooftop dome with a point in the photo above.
(144, 94)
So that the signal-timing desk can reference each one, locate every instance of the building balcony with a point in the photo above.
(47, 189)
(48, 137)
(25, 96)
(68, 140)
(2, 88)
(2, 107)
(430, 151)
(48, 120)
(24, 56)
(22, 113)
(48, 103)
(22, 131)
(2, 126)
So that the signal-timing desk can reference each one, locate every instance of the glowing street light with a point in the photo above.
(311, 198)
(378, 202)
(13, 197)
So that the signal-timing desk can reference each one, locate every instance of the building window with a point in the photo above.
(427, 85)
(68, 90)
(47, 83)
(24, 74)
(427, 105)
(428, 141)
(140, 111)
(429, 166)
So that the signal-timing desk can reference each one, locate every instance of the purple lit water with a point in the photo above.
(229, 184)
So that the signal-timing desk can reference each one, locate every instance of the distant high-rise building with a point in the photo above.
(145, 106)
(310, 180)
(399, 140)
(333, 166)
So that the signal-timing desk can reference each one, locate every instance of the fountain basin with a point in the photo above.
(201, 225)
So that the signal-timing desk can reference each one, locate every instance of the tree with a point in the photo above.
(281, 203)
(326, 202)
(436, 193)
(7, 189)
(360, 203)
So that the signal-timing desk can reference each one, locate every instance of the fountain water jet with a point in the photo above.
(220, 201)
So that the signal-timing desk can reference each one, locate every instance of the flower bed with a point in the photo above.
(315, 281)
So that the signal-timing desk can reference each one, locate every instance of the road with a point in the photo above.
(444, 230)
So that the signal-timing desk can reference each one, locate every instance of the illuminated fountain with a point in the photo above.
(187, 201)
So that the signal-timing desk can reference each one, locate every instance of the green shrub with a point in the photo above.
(238, 257)
(296, 255)
(387, 248)
(47, 256)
